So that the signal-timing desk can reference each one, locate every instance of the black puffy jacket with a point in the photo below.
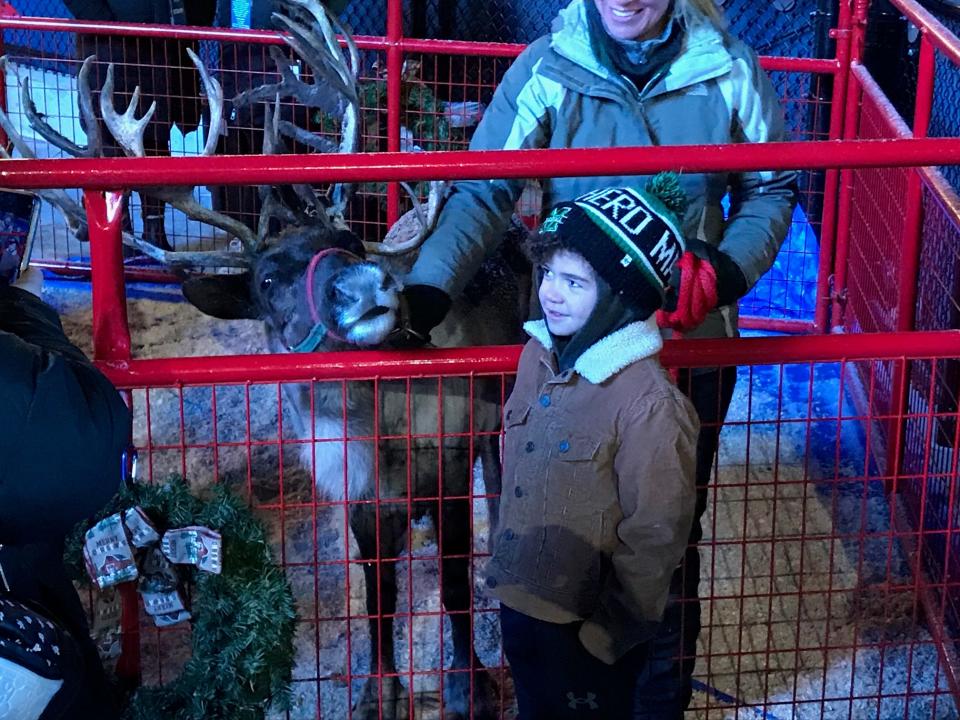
(63, 429)
(64, 426)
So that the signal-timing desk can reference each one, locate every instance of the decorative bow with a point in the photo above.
(126, 546)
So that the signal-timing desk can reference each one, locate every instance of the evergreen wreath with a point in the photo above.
(243, 618)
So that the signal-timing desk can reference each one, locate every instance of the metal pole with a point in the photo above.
(913, 212)
(907, 276)
(850, 129)
(828, 223)
(111, 334)
(394, 94)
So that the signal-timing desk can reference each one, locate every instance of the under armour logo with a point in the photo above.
(590, 701)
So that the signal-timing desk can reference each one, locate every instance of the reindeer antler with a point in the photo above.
(304, 207)
(312, 34)
(408, 233)
(94, 146)
(128, 131)
(72, 211)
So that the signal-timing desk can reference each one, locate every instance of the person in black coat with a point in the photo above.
(63, 430)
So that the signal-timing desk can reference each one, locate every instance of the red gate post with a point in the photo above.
(828, 221)
(111, 334)
(850, 130)
(111, 343)
(907, 276)
(394, 93)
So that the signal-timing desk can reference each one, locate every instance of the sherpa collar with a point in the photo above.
(608, 356)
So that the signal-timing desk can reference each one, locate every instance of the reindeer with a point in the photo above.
(386, 448)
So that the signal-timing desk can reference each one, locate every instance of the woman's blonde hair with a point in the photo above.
(695, 12)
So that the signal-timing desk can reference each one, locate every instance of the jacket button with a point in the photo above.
(491, 582)
(564, 446)
(508, 534)
(545, 400)
(530, 446)
(517, 491)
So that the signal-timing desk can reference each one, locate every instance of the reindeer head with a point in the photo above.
(312, 287)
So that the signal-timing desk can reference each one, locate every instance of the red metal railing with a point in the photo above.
(815, 599)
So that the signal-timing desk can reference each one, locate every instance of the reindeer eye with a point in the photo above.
(266, 283)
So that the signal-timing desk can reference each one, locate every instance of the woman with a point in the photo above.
(617, 73)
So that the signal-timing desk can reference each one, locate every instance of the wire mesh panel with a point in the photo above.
(812, 605)
(945, 119)
(927, 485)
(442, 99)
(875, 232)
(814, 609)
(777, 28)
(789, 289)
(401, 507)
(166, 77)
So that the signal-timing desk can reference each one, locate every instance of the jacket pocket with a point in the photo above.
(515, 417)
(515, 414)
(573, 478)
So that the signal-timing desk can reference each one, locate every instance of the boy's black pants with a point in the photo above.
(556, 678)
(666, 689)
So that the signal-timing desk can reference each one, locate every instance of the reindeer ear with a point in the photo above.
(222, 296)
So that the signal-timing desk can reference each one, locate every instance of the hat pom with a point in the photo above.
(665, 187)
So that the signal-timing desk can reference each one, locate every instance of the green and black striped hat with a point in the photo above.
(630, 236)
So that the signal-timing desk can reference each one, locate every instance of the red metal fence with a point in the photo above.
(817, 602)
(830, 567)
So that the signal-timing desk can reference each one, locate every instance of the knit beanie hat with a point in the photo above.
(631, 237)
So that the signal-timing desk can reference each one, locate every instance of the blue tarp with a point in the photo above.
(789, 289)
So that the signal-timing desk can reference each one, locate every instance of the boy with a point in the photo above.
(599, 457)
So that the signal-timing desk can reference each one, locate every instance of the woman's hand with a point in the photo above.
(703, 279)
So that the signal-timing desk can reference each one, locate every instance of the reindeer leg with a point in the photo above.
(488, 447)
(468, 690)
(383, 696)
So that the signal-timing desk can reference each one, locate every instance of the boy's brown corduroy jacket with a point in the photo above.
(598, 488)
